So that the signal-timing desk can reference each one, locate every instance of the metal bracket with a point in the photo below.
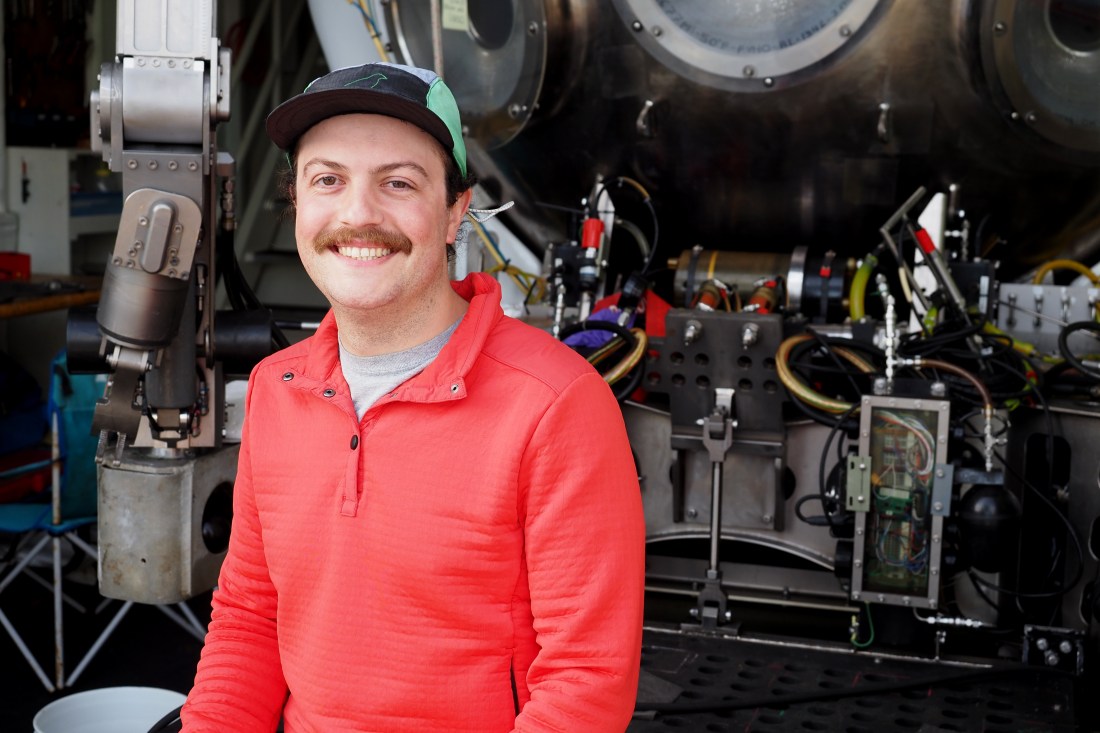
(941, 489)
(857, 488)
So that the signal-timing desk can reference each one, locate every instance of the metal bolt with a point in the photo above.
(532, 29)
(153, 165)
(859, 531)
(1042, 644)
(693, 512)
(694, 612)
(171, 64)
(1031, 118)
(192, 166)
(637, 26)
(749, 71)
(142, 221)
(938, 506)
(172, 165)
(767, 519)
(117, 261)
(139, 244)
(1065, 647)
(656, 31)
(178, 229)
(156, 63)
(769, 82)
(1000, 28)
(1052, 659)
(939, 473)
(187, 63)
(131, 164)
(845, 31)
(857, 563)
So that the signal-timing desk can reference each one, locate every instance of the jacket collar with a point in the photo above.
(444, 378)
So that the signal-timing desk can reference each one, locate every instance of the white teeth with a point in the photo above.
(363, 253)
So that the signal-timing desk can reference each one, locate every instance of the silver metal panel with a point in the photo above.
(1036, 314)
(180, 28)
(751, 490)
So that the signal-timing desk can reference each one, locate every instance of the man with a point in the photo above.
(437, 520)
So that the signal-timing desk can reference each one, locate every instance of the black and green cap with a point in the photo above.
(408, 93)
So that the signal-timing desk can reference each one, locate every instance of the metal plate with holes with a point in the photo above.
(705, 350)
(738, 672)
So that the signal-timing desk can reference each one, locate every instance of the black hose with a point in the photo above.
(170, 723)
(1068, 355)
(634, 378)
(590, 325)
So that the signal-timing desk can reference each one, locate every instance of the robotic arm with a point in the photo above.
(164, 478)
(153, 120)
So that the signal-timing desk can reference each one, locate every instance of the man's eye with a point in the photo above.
(399, 184)
(327, 180)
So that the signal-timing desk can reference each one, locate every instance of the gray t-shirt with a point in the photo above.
(370, 377)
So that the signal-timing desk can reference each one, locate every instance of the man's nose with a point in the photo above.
(361, 207)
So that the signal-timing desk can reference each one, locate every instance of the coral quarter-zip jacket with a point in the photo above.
(467, 558)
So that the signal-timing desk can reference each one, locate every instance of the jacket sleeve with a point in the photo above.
(239, 684)
(585, 555)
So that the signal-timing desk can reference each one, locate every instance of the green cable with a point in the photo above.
(870, 625)
(858, 289)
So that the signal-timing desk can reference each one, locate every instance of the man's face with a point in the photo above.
(372, 219)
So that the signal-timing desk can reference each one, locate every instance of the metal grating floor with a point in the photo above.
(685, 669)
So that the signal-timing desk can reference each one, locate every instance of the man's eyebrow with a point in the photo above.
(384, 168)
(323, 163)
(399, 164)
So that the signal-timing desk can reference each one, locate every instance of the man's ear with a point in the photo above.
(457, 213)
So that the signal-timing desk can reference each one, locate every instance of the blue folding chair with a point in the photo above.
(72, 506)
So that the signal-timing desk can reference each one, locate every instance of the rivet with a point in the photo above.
(329, 392)
(354, 442)
(454, 388)
(287, 377)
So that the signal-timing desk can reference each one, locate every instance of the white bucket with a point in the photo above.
(108, 710)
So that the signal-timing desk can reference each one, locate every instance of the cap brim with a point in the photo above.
(291, 119)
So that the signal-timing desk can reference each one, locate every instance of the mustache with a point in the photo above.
(375, 236)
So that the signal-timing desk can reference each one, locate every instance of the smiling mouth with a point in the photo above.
(364, 253)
